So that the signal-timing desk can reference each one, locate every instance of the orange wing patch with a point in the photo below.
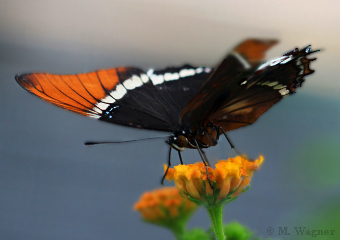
(253, 50)
(78, 92)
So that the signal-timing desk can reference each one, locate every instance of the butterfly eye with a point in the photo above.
(202, 132)
(172, 139)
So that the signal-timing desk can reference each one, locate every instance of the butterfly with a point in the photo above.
(195, 104)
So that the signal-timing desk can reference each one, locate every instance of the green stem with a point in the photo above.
(176, 225)
(178, 228)
(215, 213)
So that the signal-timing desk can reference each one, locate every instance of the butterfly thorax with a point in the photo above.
(205, 137)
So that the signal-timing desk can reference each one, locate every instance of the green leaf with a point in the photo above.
(234, 231)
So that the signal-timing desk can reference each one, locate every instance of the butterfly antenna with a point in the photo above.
(133, 140)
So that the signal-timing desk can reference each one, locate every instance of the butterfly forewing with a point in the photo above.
(126, 96)
(179, 84)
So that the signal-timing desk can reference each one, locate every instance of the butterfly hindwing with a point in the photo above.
(243, 58)
(253, 95)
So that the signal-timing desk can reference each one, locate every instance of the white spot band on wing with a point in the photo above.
(199, 70)
(119, 92)
(281, 60)
(242, 60)
(144, 78)
(186, 72)
(149, 72)
(137, 81)
(93, 115)
(157, 79)
(284, 91)
(289, 58)
(272, 84)
(102, 106)
(171, 76)
(108, 99)
(279, 86)
(132, 83)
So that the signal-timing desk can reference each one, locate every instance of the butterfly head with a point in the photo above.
(179, 141)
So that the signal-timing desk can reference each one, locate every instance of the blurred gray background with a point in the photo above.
(54, 187)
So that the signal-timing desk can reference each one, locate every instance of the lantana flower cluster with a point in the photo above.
(164, 205)
(222, 184)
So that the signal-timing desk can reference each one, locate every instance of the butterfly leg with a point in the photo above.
(229, 141)
(204, 161)
(169, 164)
(180, 157)
(205, 157)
